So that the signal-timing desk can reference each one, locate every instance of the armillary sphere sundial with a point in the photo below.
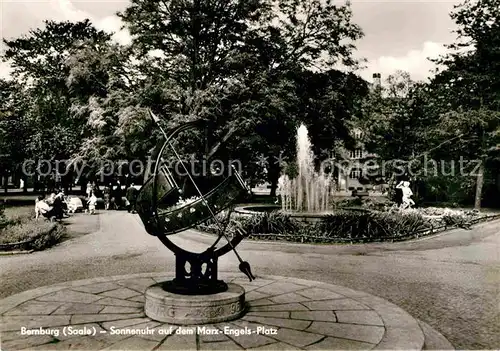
(195, 295)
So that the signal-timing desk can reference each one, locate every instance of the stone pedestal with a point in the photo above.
(179, 309)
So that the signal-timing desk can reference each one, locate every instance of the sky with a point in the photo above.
(399, 34)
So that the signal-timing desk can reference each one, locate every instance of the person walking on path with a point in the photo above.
(107, 196)
(117, 196)
(92, 202)
(131, 196)
(89, 190)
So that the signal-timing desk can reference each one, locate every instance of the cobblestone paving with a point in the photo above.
(283, 313)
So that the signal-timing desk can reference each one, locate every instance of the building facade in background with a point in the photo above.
(355, 168)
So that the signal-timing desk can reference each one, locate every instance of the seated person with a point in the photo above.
(44, 209)
(50, 200)
(58, 204)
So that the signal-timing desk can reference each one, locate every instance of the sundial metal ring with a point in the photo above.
(164, 211)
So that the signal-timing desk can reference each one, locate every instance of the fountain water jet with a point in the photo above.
(309, 191)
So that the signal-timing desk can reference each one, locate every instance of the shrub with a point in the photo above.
(451, 191)
(49, 238)
(21, 218)
(401, 224)
(377, 203)
(450, 217)
(269, 223)
(348, 225)
(457, 220)
(3, 219)
(38, 235)
(372, 225)
(211, 225)
(259, 223)
(354, 202)
(18, 214)
(371, 203)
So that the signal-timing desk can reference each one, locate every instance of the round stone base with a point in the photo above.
(164, 306)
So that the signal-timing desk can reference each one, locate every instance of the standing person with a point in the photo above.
(64, 204)
(131, 195)
(118, 195)
(95, 189)
(89, 190)
(92, 202)
(107, 196)
(57, 203)
(57, 180)
(51, 183)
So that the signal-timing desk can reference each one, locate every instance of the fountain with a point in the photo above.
(307, 196)
(309, 191)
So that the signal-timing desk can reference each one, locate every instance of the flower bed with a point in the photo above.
(353, 227)
(31, 236)
(450, 217)
(22, 232)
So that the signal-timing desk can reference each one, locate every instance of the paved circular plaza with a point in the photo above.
(283, 313)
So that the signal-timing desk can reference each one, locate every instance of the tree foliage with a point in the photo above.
(40, 64)
(246, 64)
(469, 85)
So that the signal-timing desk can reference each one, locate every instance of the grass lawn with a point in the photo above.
(19, 211)
(22, 227)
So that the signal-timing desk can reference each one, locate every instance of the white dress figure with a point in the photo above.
(89, 190)
(280, 188)
(407, 202)
(92, 202)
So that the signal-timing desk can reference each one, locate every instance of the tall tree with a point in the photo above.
(13, 130)
(469, 85)
(394, 121)
(39, 62)
(103, 84)
(234, 62)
